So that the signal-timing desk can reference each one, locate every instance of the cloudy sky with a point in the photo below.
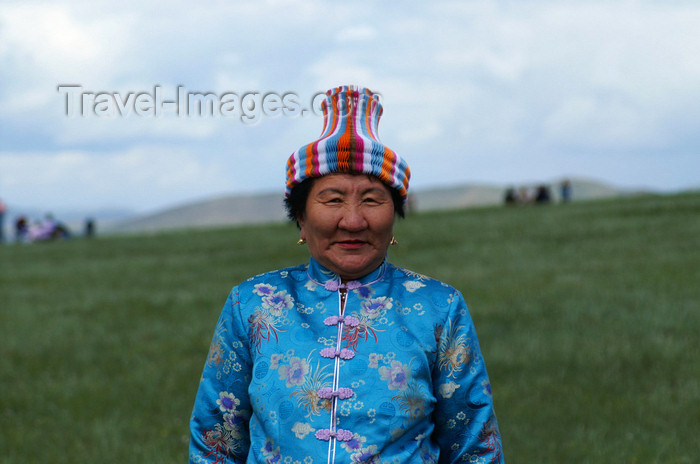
(498, 92)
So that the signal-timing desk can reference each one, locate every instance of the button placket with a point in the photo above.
(336, 393)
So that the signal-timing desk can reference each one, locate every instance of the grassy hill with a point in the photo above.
(229, 210)
(587, 314)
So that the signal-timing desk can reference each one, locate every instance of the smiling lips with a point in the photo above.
(350, 244)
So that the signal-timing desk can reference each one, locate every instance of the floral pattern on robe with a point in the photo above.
(397, 378)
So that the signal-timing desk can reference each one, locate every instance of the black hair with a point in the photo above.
(295, 203)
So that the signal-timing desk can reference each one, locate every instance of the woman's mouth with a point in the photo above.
(351, 244)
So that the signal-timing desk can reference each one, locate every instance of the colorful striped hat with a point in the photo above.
(349, 143)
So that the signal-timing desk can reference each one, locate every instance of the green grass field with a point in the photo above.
(588, 315)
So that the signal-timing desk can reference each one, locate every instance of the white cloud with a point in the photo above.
(598, 123)
(48, 44)
(142, 178)
(49, 35)
(356, 33)
(126, 130)
(338, 68)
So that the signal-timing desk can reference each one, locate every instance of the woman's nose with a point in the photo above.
(353, 219)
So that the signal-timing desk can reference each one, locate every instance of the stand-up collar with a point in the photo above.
(332, 282)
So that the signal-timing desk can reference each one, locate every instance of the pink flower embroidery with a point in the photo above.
(374, 307)
(294, 373)
(277, 302)
(227, 402)
(397, 375)
(264, 289)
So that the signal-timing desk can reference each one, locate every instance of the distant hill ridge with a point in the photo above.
(268, 207)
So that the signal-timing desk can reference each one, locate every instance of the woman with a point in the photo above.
(347, 358)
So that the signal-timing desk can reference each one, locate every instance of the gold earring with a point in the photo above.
(393, 241)
(301, 241)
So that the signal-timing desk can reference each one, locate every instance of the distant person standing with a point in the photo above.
(21, 229)
(542, 196)
(89, 227)
(511, 197)
(3, 208)
(566, 191)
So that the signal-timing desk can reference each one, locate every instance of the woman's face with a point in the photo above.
(348, 223)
